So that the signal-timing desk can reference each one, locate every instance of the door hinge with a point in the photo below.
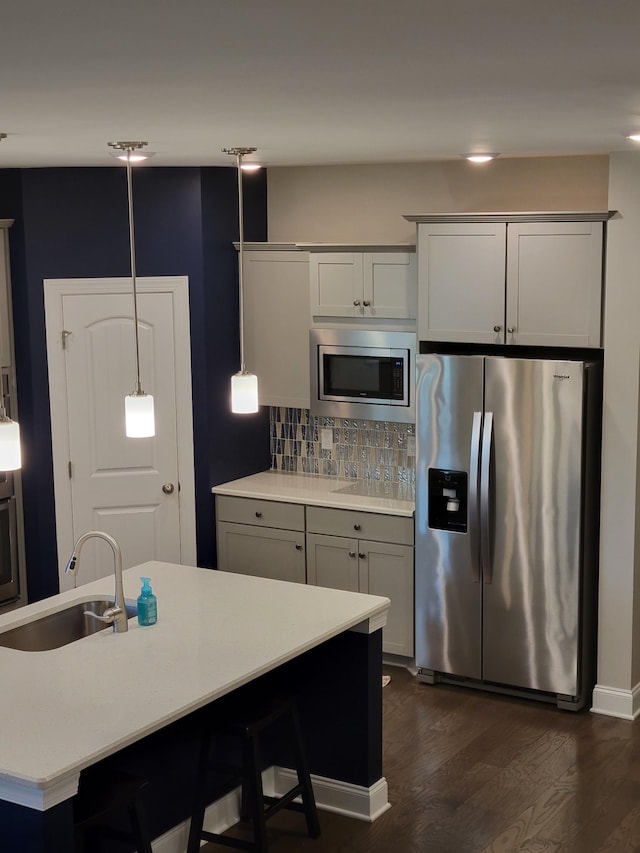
(64, 335)
(70, 470)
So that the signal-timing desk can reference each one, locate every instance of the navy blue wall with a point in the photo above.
(73, 223)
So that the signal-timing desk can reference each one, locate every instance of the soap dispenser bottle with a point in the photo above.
(147, 604)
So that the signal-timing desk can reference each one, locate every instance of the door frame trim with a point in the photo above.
(54, 291)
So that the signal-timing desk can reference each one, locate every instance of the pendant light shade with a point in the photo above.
(244, 385)
(244, 393)
(138, 406)
(139, 416)
(10, 457)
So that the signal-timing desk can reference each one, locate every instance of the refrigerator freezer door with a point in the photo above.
(531, 605)
(448, 592)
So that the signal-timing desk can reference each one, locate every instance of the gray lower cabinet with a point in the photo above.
(261, 538)
(366, 564)
(345, 549)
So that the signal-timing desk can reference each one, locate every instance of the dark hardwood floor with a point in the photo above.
(472, 772)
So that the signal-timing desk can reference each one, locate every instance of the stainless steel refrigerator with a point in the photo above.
(507, 496)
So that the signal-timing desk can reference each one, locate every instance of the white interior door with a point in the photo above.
(141, 491)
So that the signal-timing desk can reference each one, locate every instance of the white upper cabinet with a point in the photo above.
(461, 279)
(535, 281)
(363, 284)
(277, 318)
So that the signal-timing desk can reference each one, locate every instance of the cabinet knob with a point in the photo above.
(356, 302)
(258, 515)
(362, 556)
(352, 553)
(366, 303)
(497, 328)
(298, 547)
(356, 527)
(511, 329)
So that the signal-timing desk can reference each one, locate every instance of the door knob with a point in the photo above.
(168, 488)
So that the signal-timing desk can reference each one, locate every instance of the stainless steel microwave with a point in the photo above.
(363, 373)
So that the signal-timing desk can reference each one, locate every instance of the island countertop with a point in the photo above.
(65, 709)
(364, 495)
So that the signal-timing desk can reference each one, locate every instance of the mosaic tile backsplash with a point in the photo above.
(360, 449)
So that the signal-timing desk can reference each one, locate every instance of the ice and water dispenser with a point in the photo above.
(448, 499)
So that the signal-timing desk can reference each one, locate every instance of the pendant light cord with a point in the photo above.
(240, 262)
(132, 251)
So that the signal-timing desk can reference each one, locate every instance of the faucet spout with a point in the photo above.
(115, 615)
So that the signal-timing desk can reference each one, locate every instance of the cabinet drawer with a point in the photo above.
(362, 525)
(260, 512)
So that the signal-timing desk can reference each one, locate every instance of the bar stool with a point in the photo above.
(102, 793)
(247, 719)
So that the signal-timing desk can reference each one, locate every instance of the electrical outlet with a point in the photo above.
(326, 438)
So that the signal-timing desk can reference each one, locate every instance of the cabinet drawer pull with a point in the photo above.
(356, 527)
(362, 556)
(258, 515)
(352, 553)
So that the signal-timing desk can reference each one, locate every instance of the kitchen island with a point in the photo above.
(135, 697)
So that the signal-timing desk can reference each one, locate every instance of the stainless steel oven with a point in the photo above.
(9, 579)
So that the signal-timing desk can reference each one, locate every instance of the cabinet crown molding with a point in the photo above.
(357, 247)
(519, 216)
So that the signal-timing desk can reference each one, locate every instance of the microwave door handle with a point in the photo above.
(473, 509)
(485, 498)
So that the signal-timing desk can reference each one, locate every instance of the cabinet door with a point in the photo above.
(335, 280)
(276, 317)
(332, 561)
(389, 285)
(554, 283)
(263, 552)
(461, 282)
(388, 570)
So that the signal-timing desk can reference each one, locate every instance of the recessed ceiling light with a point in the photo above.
(634, 136)
(480, 158)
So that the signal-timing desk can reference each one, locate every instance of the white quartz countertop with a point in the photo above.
(67, 708)
(364, 495)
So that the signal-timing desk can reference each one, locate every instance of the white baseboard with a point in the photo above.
(331, 795)
(341, 797)
(614, 702)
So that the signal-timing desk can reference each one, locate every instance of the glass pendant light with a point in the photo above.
(244, 385)
(138, 406)
(10, 457)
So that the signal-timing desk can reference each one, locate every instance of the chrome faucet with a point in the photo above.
(116, 615)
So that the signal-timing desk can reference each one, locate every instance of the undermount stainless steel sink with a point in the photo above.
(60, 628)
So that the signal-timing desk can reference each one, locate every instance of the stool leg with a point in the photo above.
(253, 777)
(200, 798)
(304, 779)
(143, 845)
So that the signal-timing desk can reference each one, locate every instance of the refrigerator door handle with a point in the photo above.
(474, 474)
(485, 495)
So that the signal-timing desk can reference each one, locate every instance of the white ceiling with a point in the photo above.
(316, 81)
